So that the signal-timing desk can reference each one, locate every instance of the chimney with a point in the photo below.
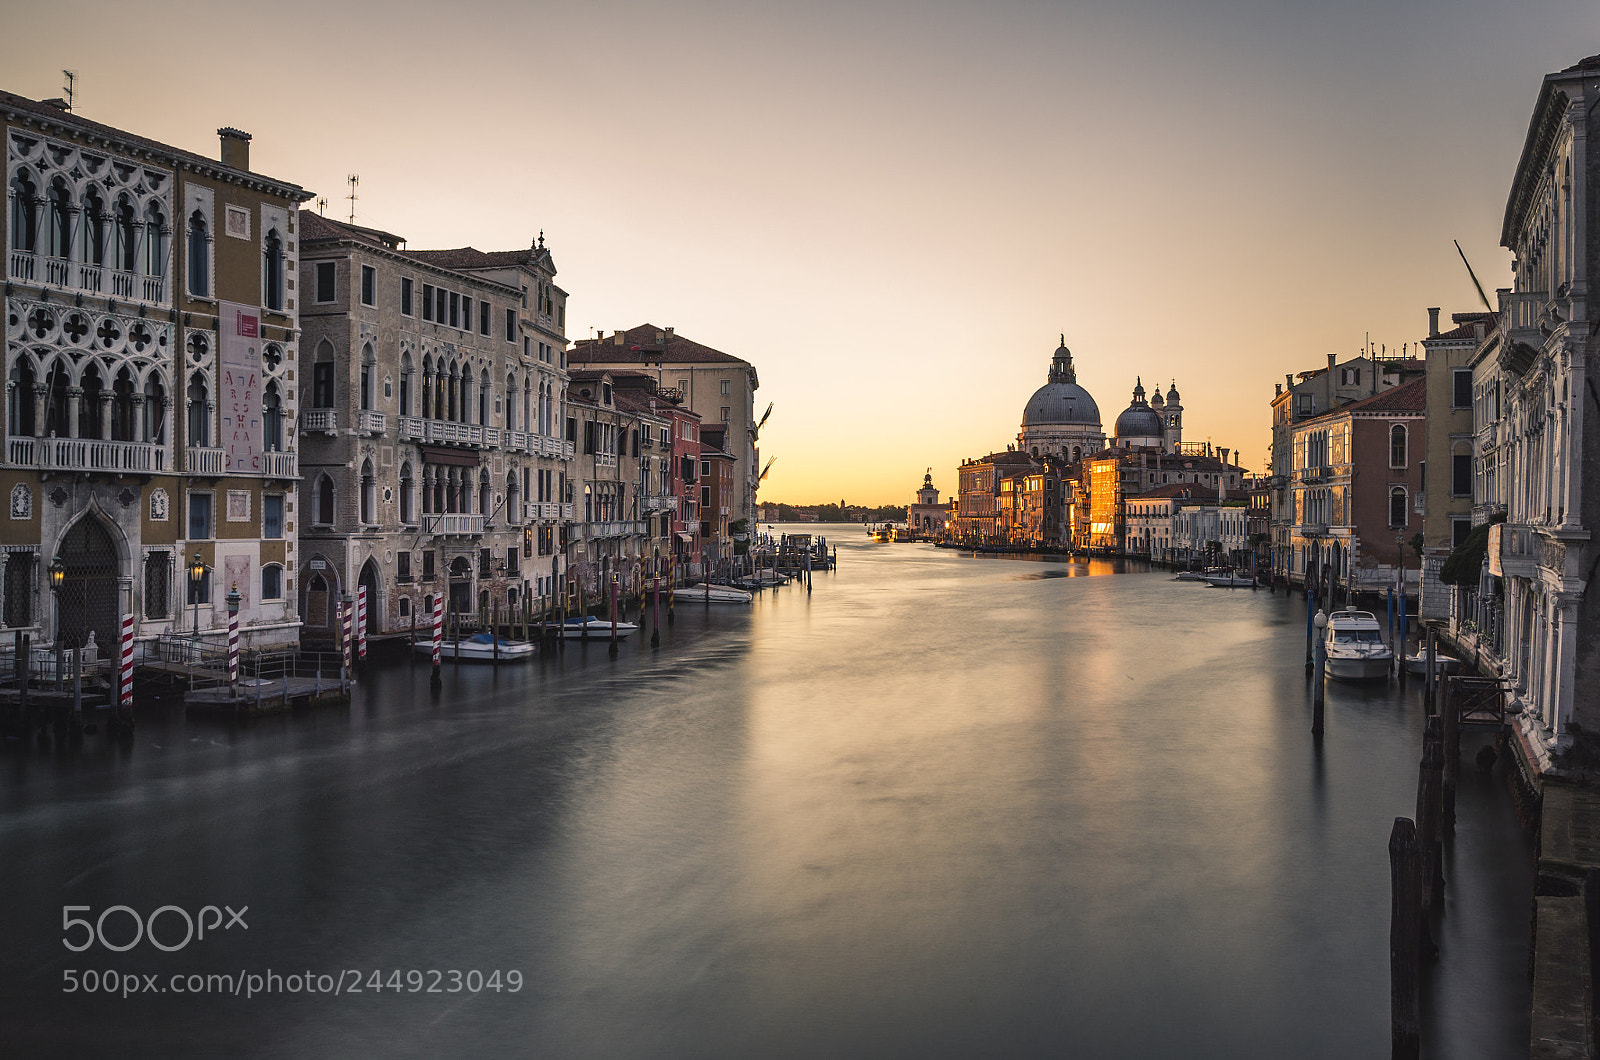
(1277, 388)
(1478, 330)
(616, 339)
(235, 149)
(1433, 322)
(600, 335)
(1330, 379)
(1288, 381)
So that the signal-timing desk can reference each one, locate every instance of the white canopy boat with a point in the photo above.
(715, 594)
(1354, 645)
(1190, 576)
(479, 648)
(1228, 578)
(573, 628)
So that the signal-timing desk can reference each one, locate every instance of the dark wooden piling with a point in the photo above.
(1450, 713)
(1405, 935)
(1319, 678)
(1430, 778)
(1431, 681)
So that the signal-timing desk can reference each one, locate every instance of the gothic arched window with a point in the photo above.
(199, 251)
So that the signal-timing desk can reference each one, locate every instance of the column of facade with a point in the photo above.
(104, 413)
(74, 400)
(40, 394)
(1565, 657)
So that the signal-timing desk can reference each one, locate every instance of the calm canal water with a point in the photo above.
(943, 806)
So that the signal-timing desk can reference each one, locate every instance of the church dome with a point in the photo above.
(1139, 420)
(1061, 400)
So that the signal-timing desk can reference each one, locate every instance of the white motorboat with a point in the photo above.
(715, 594)
(1190, 576)
(573, 628)
(1442, 664)
(1227, 578)
(479, 648)
(1354, 647)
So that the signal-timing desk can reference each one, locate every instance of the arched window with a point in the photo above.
(199, 250)
(127, 234)
(511, 402)
(1397, 445)
(199, 421)
(272, 270)
(19, 406)
(272, 582)
(1397, 508)
(122, 404)
(485, 497)
(484, 390)
(272, 419)
(325, 499)
(56, 383)
(155, 410)
(24, 214)
(405, 384)
(450, 405)
(89, 403)
(155, 245)
(513, 499)
(366, 376)
(92, 229)
(407, 488)
(322, 394)
(369, 494)
(58, 220)
(588, 505)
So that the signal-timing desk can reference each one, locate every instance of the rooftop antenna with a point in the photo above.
(322, 206)
(352, 180)
(69, 87)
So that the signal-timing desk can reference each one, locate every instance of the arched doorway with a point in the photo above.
(460, 600)
(322, 596)
(89, 586)
(369, 578)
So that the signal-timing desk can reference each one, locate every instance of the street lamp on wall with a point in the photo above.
(197, 573)
(58, 574)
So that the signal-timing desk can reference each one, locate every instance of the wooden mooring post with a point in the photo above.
(1405, 940)
(1319, 673)
(1430, 777)
(1450, 712)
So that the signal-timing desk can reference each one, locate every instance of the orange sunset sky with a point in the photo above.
(892, 209)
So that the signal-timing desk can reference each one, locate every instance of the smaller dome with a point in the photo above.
(1172, 393)
(1139, 421)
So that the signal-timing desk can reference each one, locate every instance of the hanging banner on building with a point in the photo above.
(240, 337)
(1494, 551)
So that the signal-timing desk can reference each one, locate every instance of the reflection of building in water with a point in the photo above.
(151, 331)
(927, 515)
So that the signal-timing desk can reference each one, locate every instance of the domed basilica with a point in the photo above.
(1061, 419)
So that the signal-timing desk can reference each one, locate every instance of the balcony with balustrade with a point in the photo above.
(204, 460)
(86, 454)
(276, 464)
(370, 423)
(86, 277)
(413, 428)
(324, 420)
(453, 523)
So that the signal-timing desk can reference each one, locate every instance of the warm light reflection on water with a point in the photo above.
(944, 805)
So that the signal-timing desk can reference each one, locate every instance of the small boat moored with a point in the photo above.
(1227, 578)
(714, 594)
(573, 628)
(479, 648)
(1442, 664)
(1354, 647)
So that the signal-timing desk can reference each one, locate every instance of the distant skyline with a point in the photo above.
(893, 209)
